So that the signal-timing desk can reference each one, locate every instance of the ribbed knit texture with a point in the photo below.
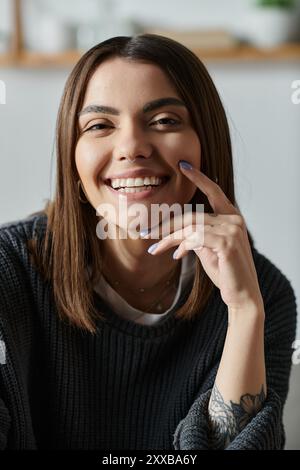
(129, 386)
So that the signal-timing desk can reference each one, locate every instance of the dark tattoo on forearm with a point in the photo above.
(226, 421)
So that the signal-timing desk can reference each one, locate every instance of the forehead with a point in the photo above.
(120, 79)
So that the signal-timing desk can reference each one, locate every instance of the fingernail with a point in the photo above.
(144, 232)
(185, 165)
(152, 248)
(175, 253)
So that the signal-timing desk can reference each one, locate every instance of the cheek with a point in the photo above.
(194, 150)
(80, 157)
(86, 159)
(187, 148)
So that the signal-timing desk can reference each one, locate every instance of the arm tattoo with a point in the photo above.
(226, 421)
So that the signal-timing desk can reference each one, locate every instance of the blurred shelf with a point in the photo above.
(38, 60)
(251, 53)
(236, 54)
(230, 52)
(6, 60)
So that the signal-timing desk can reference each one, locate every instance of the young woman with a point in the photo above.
(107, 343)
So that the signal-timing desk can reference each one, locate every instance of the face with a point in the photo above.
(122, 120)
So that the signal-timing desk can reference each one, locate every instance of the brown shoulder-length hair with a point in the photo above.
(70, 243)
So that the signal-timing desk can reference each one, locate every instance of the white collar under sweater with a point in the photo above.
(121, 307)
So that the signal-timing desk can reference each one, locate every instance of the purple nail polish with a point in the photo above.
(185, 165)
(152, 248)
(144, 232)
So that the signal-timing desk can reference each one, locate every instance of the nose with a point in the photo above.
(132, 143)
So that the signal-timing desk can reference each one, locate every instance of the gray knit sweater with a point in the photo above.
(129, 386)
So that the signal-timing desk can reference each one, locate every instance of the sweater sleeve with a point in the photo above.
(4, 425)
(265, 431)
(7, 295)
(4, 414)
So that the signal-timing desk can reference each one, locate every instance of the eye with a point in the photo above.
(166, 121)
(96, 127)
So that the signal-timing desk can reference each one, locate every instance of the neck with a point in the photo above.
(128, 261)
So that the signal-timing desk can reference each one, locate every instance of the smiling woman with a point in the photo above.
(116, 343)
(106, 126)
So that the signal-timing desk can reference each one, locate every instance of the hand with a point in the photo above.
(221, 243)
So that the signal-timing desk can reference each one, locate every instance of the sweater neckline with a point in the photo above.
(119, 304)
(131, 328)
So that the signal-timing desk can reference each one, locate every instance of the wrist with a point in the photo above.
(252, 311)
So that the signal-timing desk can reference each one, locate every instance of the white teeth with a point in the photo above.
(135, 182)
(131, 190)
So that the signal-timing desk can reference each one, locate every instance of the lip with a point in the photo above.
(148, 193)
(138, 172)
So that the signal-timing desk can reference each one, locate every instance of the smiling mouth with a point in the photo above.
(135, 188)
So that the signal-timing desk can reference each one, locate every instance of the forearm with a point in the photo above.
(240, 386)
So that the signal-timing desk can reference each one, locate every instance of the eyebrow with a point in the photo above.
(151, 106)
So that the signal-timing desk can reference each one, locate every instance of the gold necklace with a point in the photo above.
(168, 285)
(157, 305)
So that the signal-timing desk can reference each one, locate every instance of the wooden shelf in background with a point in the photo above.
(38, 60)
(251, 53)
(21, 58)
(6, 60)
(235, 54)
(35, 59)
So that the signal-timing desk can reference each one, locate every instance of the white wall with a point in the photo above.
(265, 130)
(27, 124)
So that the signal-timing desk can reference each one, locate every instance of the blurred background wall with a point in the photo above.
(257, 95)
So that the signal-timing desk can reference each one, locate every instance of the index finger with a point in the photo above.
(215, 195)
